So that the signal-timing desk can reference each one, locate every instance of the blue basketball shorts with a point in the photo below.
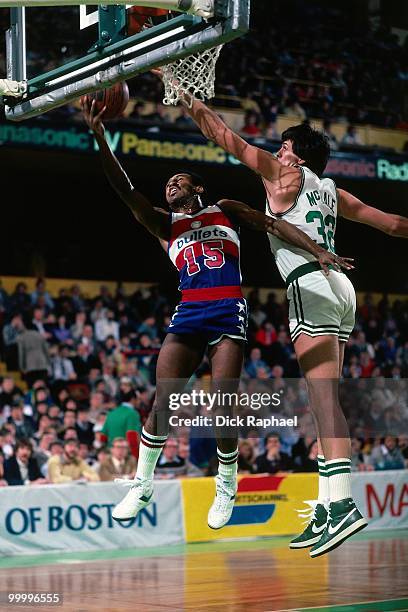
(214, 319)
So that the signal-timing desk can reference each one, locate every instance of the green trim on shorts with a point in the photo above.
(307, 268)
(302, 316)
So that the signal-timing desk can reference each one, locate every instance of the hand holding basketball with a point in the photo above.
(93, 121)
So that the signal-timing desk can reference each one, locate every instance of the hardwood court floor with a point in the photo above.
(368, 573)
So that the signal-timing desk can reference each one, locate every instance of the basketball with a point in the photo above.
(115, 99)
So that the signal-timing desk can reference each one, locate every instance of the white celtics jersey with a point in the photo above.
(314, 212)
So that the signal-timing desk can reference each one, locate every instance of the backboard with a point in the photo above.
(102, 48)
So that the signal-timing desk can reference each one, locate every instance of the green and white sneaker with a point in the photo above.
(317, 522)
(220, 512)
(343, 521)
(139, 497)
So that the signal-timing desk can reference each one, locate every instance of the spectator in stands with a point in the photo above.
(69, 433)
(22, 468)
(84, 361)
(109, 377)
(88, 337)
(171, 465)
(251, 125)
(273, 460)
(308, 462)
(11, 331)
(106, 326)
(33, 356)
(43, 423)
(69, 421)
(76, 330)
(266, 335)
(149, 328)
(120, 464)
(61, 366)
(254, 363)
(77, 299)
(9, 392)
(84, 427)
(123, 421)
(96, 405)
(359, 460)
(56, 448)
(61, 332)
(24, 425)
(246, 457)
(101, 456)
(84, 454)
(351, 137)
(43, 451)
(137, 378)
(54, 412)
(387, 456)
(20, 301)
(69, 467)
(8, 439)
(38, 323)
(41, 292)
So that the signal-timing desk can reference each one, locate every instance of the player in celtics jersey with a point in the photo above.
(322, 307)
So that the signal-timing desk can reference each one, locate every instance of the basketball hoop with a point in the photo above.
(194, 74)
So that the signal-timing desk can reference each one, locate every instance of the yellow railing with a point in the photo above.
(91, 288)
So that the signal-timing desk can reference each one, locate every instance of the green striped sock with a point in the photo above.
(339, 473)
(323, 496)
(227, 464)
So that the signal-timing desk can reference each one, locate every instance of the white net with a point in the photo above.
(194, 74)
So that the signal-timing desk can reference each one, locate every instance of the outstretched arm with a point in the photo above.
(154, 219)
(214, 129)
(253, 219)
(353, 209)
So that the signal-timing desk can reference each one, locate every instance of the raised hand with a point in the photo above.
(93, 121)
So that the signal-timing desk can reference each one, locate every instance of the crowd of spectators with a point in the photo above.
(308, 60)
(87, 379)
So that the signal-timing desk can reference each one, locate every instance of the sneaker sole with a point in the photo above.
(306, 543)
(216, 528)
(130, 518)
(339, 539)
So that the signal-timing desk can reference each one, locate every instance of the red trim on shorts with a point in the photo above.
(209, 294)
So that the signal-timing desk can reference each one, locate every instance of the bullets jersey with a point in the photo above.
(314, 212)
(205, 249)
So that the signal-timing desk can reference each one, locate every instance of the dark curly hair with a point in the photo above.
(309, 144)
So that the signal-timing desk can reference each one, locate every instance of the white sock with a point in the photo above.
(149, 452)
(323, 496)
(339, 472)
(227, 464)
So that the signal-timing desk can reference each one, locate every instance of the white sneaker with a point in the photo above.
(221, 510)
(139, 496)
